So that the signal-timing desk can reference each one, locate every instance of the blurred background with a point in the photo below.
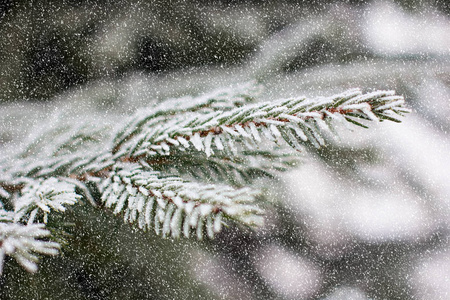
(365, 218)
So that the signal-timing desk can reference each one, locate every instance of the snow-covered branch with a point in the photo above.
(20, 241)
(154, 172)
(171, 205)
(41, 196)
(296, 121)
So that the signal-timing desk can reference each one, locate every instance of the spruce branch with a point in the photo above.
(296, 121)
(141, 169)
(39, 197)
(171, 205)
(60, 149)
(219, 100)
(20, 241)
(66, 138)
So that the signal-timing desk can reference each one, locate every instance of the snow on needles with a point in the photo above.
(20, 241)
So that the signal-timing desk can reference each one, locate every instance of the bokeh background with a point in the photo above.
(365, 218)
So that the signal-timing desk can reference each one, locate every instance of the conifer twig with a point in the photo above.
(222, 140)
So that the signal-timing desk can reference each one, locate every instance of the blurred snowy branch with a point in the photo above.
(20, 241)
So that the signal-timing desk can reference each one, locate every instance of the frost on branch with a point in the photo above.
(39, 197)
(21, 241)
(61, 148)
(171, 205)
(297, 121)
(223, 99)
(167, 168)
